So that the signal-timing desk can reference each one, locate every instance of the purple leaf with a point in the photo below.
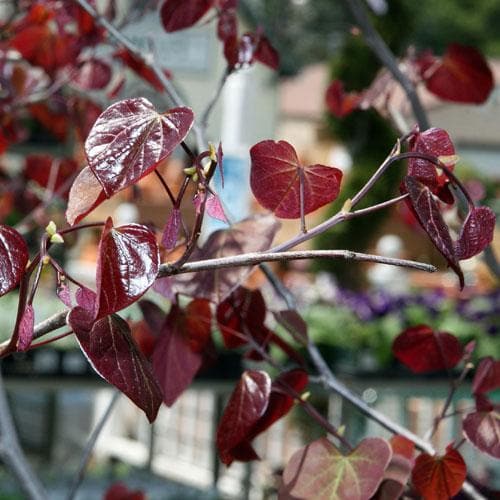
(127, 266)
(26, 328)
(13, 258)
(476, 234)
(214, 208)
(93, 74)
(482, 429)
(64, 294)
(86, 298)
(171, 230)
(129, 139)
(114, 355)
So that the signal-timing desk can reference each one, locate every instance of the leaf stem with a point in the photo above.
(165, 186)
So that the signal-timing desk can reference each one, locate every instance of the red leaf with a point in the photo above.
(113, 354)
(463, 76)
(476, 234)
(143, 337)
(130, 138)
(247, 404)
(293, 323)
(127, 266)
(53, 116)
(178, 352)
(276, 177)
(50, 172)
(26, 328)
(321, 471)
(487, 376)
(241, 316)
(216, 285)
(84, 114)
(437, 477)
(13, 258)
(93, 74)
(423, 350)
(227, 25)
(141, 69)
(339, 102)
(427, 211)
(266, 54)
(435, 142)
(119, 491)
(482, 429)
(402, 446)
(85, 194)
(179, 14)
(171, 230)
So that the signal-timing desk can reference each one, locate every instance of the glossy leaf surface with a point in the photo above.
(13, 258)
(423, 350)
(463, 75)
(113, 354)
(246, 405)
(321, 471)
(482, 429)
(439, 477)
(130, 138)
(487, 376)
(127, 266)
(179, 14)
(476, 234)
(427, 211)
(276, 179)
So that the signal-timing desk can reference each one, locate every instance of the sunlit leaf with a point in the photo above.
(439, 477)
(246, 405)
(276, 178)
(13, 258)
(482, 429)
(113, 354)
(476, 234)
(129, 139)
(321, 471)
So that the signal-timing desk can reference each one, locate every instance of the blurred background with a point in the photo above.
(354, 311)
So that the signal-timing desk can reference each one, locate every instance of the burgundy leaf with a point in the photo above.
(129, 139)
(227, 25)
(427, 212)
(247, 404)
(64, 294)
(85, 194)
(127, 266)
(86, 298)
(293, 323)
(439, 477)
(435, 142)
(423, 350)
(13, 258)
(266, 54)
(276, 178)
(119, 491)
(153, 315)
(179, 14)
(340, 103)
(177, 356)
(214, 208)
(482, 429)
(216, 285)
(26, 328)
(171, 230)
(113, 354)
(476, 234)
(93, 74)
(321, 471)
(462, 76)
(241, 316)
(143, 337)
(487, 376)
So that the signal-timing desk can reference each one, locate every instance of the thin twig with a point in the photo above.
(211, 104)
(12, 455)
(87, 453)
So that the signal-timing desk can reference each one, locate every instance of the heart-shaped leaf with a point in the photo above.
(439, 477)
(482, 429)
(127, 266)
(426, 209)
(85, 194)
(423, 350)
(246, 405)
(476, 234)
(113, 354)
(487, 376)
(277, 180)
(321, 471)
(179, 14)
(129, 138)
(13, 258)
(339, 102)
(435, 142)
(462, 76)
(216, 285)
